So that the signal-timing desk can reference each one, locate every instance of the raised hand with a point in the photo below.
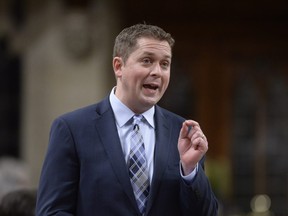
(192, 145)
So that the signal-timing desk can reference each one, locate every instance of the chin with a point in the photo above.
(150, 103)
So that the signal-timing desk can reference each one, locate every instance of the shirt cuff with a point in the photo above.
(190, 177)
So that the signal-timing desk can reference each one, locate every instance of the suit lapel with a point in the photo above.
(107, 130)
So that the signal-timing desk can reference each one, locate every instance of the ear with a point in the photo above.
(117, 66)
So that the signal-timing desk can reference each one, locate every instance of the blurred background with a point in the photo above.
(229, 72)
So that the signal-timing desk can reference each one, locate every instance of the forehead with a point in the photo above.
(153, 46)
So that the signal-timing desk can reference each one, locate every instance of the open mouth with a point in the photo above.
(151, 86)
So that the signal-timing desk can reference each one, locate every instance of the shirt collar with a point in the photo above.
(123, 113)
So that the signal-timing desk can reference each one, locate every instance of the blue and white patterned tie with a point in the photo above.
(138, 169)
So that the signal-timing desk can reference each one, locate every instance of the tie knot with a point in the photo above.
(137, 119)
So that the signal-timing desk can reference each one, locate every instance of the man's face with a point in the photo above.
(143, 79)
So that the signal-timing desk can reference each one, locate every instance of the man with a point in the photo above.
(90, 165)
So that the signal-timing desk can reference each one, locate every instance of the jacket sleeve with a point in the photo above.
(198, 198)
(57, 190)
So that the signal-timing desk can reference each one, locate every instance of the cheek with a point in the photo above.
(134, 74)
(166, 80)
(133, 83)
(129, 78)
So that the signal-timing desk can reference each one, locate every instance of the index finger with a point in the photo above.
(186, 128)
(191, 123)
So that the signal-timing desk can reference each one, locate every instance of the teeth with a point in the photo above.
(150, 86)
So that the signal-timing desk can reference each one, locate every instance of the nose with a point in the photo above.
(156, 70)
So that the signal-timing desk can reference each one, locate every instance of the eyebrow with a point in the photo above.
(153, 54)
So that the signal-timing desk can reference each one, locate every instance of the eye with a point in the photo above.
(146, 61)
(165, 64)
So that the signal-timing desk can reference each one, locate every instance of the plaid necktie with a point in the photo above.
(138, 170)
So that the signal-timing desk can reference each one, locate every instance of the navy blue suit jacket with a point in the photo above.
(85, 174)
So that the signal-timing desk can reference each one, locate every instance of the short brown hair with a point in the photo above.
(126, 41)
